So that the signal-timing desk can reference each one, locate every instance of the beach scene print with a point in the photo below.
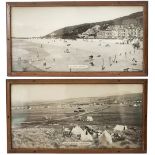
(77, 39)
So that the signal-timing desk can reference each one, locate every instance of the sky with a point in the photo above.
(38, 21)
(49, 92)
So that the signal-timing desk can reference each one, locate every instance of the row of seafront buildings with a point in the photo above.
(113, 32)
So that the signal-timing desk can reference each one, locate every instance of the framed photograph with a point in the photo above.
(95, 38)
(77, 116)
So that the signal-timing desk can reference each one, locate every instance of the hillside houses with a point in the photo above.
(113, 32)
(90, 33)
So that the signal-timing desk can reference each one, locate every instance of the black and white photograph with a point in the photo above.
(77, 39)
(77, 116)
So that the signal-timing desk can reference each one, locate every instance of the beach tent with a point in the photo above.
(120, 127)
(135, 105)
(85, 136)
(89, 118)
(77, 130)
(105, 139)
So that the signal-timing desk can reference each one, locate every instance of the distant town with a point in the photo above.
(113, 32)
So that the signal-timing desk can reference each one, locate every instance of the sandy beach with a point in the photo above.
(75, 55)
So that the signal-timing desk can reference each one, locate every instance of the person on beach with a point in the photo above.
(44, 63)
(110, 64)
(125, 54)
(103, 67)
(19, 60)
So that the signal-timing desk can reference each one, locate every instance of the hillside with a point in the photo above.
(127, 98)
(73, 32)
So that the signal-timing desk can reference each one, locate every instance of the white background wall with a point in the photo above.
(151, 78)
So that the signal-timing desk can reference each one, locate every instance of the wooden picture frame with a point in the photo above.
(76, 82)
(49, 70)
